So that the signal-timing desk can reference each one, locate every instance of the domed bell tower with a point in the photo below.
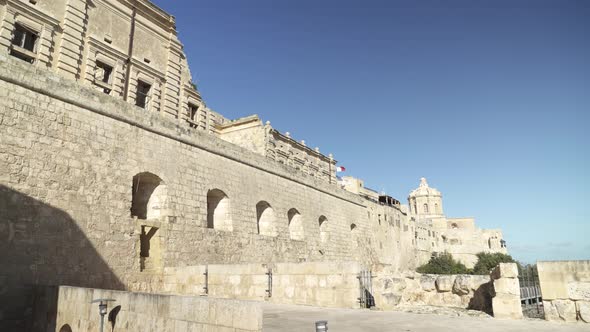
(425, 201)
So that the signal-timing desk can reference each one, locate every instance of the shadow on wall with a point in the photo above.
(482, 299)
(41, 246)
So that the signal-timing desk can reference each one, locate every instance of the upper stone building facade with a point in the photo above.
(113, 170)
(127, 49)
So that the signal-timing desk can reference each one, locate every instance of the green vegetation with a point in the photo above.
(446, 264)
(443, 264)
(486, 262)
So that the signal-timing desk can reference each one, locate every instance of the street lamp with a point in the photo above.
(102, 309)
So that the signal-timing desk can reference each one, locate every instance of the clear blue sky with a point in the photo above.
(489, 100)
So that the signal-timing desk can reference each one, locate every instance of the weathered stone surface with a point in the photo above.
(560, 280)
(507, 286)
(427, 282)
(578, 290)
(150, 312)
(506, 307)
(505, 270)
(583, 308)
(463, 285)
(445, 283)
(564, 310)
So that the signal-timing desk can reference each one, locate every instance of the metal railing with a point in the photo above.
(366, 299)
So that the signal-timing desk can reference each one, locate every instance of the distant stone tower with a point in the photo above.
(425, 201)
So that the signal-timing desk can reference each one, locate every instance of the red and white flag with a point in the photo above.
(340, 169)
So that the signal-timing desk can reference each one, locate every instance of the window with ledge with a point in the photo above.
(103, 76)
(24, 43)
(142, 94)
(192, 113)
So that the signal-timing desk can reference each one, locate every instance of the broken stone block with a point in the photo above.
(564, 310)
(444, 283)
(462, 285)
(427, 282)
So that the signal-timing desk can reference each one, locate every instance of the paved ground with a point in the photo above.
(291, 318)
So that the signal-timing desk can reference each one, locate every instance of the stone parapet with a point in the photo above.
(154, 312)
(565, 287)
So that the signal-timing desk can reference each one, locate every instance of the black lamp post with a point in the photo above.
(102, 309)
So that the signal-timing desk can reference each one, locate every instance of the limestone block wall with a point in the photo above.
(154, 312)
(565, 287)
(245, 281)
(68, 158)
(186, 280)
(393, 290)
(325, 284)
(506, 295)
(393, 236)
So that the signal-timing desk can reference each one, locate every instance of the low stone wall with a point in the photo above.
(186, 280)
(565, 287)
(245, 281)
(325, 284)
(153, 312)
(415, 289)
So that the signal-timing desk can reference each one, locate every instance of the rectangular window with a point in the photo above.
(142, 95)
(102, 76)
(103, 72)
(193, 111)
(24, 43)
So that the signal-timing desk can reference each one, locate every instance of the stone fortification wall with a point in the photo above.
(565, 287)
(250, 133)
(392, 236)
(68, 157)
(326, 284)
(154, 312)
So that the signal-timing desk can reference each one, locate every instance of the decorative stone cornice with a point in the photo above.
(19, 7)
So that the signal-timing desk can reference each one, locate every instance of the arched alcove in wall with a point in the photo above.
(295, 225)
(218, 211)
(265, 219)
(149, 196)
(354, 234)
(65, 328)
(323, 223)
